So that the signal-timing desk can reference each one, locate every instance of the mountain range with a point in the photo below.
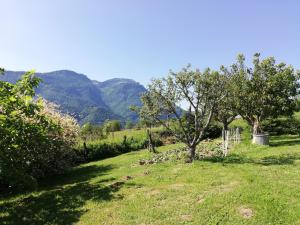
(85, 99)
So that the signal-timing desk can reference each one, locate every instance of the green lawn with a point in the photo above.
(253, 185)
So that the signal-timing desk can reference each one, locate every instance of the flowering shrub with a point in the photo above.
(36, 139)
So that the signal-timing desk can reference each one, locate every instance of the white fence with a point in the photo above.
(230, 138)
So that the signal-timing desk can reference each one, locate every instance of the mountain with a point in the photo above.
(87, 100)
(119, 94)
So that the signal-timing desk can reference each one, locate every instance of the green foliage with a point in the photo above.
(213, 131)
(297, 104)
(131, 140)
(111, 126)
(90, 132)
(121, 142)
(280, 126)
(35, 140)
(129, 124)
(225, 111)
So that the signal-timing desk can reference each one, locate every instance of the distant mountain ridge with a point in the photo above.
(87, 100)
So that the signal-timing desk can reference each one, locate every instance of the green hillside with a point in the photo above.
(87, 100)
(121, 93)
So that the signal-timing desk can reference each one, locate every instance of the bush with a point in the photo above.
(111, 126)
(129, 124)
(104, 148)
(213, 131)
(89, 132)
(35, 139)
(282, 126)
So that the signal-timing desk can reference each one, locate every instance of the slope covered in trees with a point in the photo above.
(87, 100)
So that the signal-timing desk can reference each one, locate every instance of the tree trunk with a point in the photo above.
(225, 128)
(85, 151)
(256, 127)
(192, 150)
(150, 144)
(225, 125)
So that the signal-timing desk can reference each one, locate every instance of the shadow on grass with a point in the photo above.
(56, 204)
(287, 159)
(289, 141)
(75, 175)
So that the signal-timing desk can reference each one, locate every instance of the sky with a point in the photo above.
(144, 39)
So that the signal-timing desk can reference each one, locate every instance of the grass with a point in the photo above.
(253, 185)
(118, 136)
(297, 116)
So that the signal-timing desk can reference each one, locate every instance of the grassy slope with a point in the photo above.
(263, 179)
(297, 115)
(118, 136)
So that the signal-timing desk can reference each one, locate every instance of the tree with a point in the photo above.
(91, 132)
(199, 91)
(111, 126)
(226, 108)
(129, 124)
(267, 90)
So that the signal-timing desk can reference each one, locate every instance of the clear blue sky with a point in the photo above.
(141, 39)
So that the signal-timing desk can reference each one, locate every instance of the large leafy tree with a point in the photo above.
(199, 91)
(267, 90)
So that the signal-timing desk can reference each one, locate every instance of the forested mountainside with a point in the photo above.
(87, 100)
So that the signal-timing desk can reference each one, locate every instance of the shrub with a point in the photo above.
(89, 132)
(282, 126)
(213, 131)
(106, 148)
(111, 126)
(35, 139)
(129, 124)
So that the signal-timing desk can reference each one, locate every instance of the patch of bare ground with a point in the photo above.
(186, 217)
(176, 170)
(200, 199)
(177, 186)
(153, 192)
(146, 172)
(226, 187)
(117, 184)
(245, 212)
(128, 178)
